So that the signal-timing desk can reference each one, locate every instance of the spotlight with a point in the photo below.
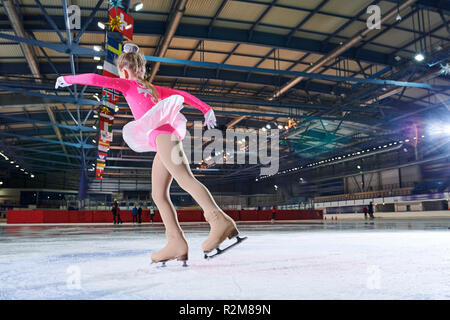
(1, 182)
(419, 57)
(98, 48)
(280, 126)
(268, 126)
(101, 25)
(94, 127)
(138, 6)
(99, 67)
(96, 58)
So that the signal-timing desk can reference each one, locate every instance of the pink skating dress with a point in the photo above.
(151, 117)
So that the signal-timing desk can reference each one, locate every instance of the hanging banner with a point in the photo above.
(102, 155)
(122, 22)
(113, 50)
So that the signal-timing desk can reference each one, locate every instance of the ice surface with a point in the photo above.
(383, 259)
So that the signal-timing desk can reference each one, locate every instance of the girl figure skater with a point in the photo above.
(159, 126)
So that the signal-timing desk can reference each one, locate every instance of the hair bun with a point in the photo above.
(130, 48)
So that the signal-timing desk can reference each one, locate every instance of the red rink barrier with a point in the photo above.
(25, 216)
(233, 214)
(106, 216)
(56, 216)
(190, 215)
(157, 216)
(249, 215)
(264, 215)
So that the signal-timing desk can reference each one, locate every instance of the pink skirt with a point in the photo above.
(165, 117)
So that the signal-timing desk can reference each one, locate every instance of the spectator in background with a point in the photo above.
(152, 214)
(365, 212)
(371, 210)
(114, 212)
(274, 211)
(139, 211)
(119, 220)
(134, 213)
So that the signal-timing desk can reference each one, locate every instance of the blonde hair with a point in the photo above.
(135, 63)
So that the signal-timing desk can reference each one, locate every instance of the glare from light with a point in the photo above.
(101, 25)
(419, 57)
(138, 6)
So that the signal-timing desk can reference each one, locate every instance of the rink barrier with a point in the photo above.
(106, 216)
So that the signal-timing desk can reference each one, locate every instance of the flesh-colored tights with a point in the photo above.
(171, 162)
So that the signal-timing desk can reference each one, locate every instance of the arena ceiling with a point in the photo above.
(351, 99)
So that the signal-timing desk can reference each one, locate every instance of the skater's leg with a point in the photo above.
(177, 246)
(171, 151)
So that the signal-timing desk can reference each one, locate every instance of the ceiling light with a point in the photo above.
(138, 6)
(419, 57)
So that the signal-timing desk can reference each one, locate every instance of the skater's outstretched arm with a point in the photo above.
(210, 118)
(188, 98)
(92, 79)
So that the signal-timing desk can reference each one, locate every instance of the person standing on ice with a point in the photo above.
(134, 213)
(139, 212)
(371, 210)
(114, 212)
(159, 126)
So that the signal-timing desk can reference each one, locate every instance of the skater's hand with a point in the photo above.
(210, 119)
(60, 82)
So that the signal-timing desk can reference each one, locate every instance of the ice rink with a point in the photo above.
(380, 259)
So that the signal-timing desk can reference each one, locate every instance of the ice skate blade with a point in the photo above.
(182, 258)
(221, 251)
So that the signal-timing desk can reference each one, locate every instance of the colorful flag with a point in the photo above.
(103, 145)
(110, 95)
(110, 69)
(105, 125)
(126, 22)
(113, 50)
(106, 136)
(102, 155)
(99, 173)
